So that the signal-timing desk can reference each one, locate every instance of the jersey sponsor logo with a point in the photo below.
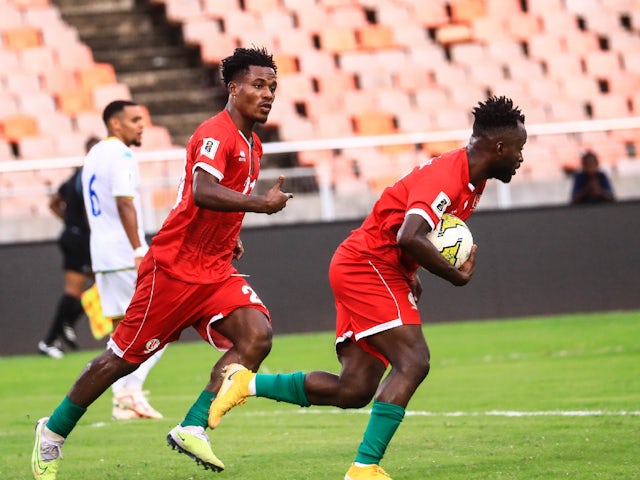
(242, 156)
(209, 147)
(151, 345)
(413, 301)
(440, 204)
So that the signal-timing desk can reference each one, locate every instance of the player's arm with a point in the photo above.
(129, 220)
(412, 239)
(57, 205)
(209, 194)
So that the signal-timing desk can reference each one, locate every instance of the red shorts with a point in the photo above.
(370, 298)
(162, 307)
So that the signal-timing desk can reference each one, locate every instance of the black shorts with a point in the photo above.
(76, 255)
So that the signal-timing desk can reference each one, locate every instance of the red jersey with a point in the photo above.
(196, 244)
(439, 185)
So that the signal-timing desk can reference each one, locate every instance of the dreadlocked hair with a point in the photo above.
(494, 114)
(242, 59)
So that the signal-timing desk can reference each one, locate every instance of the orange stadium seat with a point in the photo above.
(17, 38)
(287, 64)
(374, 37)
(336, 82)
(75, 101)
(26, 4)
(374, 123)
(16, 127)
(96, 74)
(467, 10)
(337, 39)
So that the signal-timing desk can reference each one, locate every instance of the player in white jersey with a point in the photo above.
(111, 189)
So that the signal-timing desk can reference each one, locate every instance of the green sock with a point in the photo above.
(384, 421)
(198, 414)
(282, 387)
(65, 417)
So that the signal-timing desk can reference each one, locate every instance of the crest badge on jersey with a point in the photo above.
(151, 345)
(440, 204)
(209, 147)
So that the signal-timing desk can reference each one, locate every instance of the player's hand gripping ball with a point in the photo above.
(453, 239)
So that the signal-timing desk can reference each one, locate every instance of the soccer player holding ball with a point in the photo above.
(374, 281)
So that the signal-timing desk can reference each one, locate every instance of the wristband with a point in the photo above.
(140, 252)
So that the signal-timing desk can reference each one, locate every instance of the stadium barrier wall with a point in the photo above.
(531, 262)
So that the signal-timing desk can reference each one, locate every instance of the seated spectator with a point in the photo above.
(591, 185)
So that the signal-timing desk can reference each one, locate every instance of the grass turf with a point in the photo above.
(541, 398)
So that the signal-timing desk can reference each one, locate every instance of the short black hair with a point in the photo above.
(494, 114)
(114, 107)
(242, 59)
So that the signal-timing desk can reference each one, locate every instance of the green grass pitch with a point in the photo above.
(526, 399)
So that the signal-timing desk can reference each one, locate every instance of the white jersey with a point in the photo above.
(110, 170)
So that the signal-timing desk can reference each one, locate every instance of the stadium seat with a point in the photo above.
(300, 129)
(8, 104)
(37, 59)
(336, 82)
(602, 64)
(35, 103)
(414, 120)
(579, 87)
(431, 98)
(522, 26)
(333, 125)
(349, 15)
(467, 10)
(502, 8)
(216, 47)
(375, 37)
(317, 62)
(74, 101)
(104, 94)
(219, 8)
(611, 105)
(16, 127)
(18, 38)
(36, 146)
(6, 152)
(374, 123)
(391, 100)
(453, 33)
(42, 17)
(10, 17)
(580, 42)
(75, 56)
(90, 123)
(293, 41)
(373, 78)
(540, 45)
(181, 10)
(9, 61)
(20, 82)
(429, 14)
(543, 7)
(155, 138)
(337, 39)
(277, 20)
(197, 30)
(54, 123)
(257, 37)
(490, 29)
(295, 86)
(97, 74)
(468, 53)
(235, 21)
(557, 21)
(451, 118)
(57, 80)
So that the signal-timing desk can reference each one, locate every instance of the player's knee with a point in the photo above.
(356, 396)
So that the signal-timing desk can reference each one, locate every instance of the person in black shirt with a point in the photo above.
(591, 185)
(67, 204)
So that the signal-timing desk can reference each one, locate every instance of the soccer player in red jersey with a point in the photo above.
(187, 279)
(374, 281)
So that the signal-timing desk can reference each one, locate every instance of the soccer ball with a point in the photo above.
(453, 239)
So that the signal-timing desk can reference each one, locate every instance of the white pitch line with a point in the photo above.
(422, 413)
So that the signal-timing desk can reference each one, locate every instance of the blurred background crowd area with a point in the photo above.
(367, 89)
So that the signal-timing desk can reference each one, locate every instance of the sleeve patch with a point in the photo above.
(440, 204)
(209, 147)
